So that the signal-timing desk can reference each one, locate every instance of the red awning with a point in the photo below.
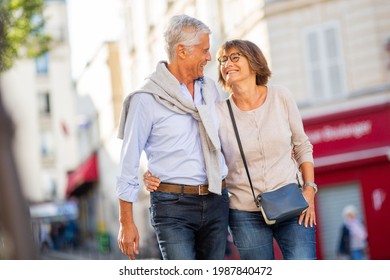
(85, 173)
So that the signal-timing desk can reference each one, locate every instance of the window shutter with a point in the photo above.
(314, 64)
(334, 61)
(324, 61)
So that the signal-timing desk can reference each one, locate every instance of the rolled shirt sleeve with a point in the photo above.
(126, 191)
(134, 141)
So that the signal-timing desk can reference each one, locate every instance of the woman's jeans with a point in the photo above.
(190, 227)
(254, 238)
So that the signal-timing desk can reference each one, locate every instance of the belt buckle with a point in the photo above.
(200, 192)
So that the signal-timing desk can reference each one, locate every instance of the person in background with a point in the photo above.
(172, 117)
(353, 240)
(276, 149)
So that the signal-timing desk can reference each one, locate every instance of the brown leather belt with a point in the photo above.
(184, 189)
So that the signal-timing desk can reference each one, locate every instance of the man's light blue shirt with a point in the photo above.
(170, 140)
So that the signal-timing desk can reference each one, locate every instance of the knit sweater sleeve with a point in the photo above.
(303, 149)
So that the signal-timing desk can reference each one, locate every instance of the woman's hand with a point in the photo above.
(151, 183)
(309, 216)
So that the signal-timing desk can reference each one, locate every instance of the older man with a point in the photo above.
(172, 117)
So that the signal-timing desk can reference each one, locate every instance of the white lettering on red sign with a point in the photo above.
(378, 197)
(330, 133)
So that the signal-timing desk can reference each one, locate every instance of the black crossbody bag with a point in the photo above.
(279, 205)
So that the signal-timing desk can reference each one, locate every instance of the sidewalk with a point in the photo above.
(80, 255)
(88, 251)
(92, 252)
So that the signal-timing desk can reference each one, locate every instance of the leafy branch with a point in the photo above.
(21, 31)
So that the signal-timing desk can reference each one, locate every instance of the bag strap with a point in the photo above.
(241, 150)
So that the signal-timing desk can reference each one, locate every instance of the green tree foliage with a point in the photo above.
(21, 31)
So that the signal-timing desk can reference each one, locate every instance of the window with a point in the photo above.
(47, 144)
(42, 64)
(44, 104)
(324, 61)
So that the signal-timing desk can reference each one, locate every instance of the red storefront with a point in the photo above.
(352, 159)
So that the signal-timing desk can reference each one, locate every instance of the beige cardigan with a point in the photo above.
(268, 135)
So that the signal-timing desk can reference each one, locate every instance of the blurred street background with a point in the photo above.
(60, 107)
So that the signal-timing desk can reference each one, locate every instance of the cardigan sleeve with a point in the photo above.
(302, 146)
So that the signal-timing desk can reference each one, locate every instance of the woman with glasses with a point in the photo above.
(275, 146)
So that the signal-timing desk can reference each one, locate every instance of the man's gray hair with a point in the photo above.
(185, 30)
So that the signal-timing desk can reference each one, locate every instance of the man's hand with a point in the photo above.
(128, 240)
(151, 183)
(128, 237)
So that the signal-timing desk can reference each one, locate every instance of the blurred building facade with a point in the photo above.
(55, 145)
(40, 97)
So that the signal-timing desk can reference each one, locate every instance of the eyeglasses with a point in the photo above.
(234, 57)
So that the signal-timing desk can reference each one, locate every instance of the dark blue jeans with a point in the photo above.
(190, 227)
(254, 238)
